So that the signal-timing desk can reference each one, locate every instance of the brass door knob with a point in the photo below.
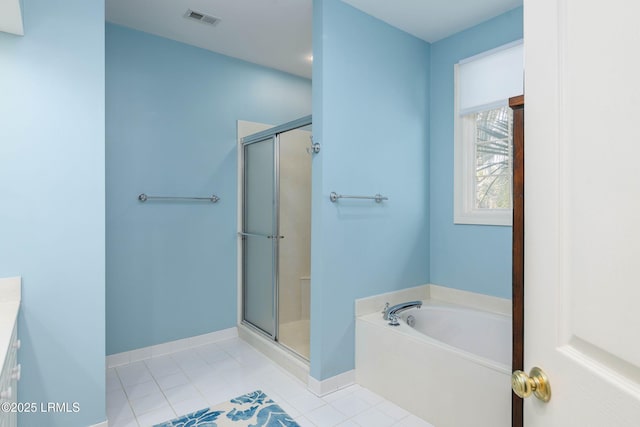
(536, 382)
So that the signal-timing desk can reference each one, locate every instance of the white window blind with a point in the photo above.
(488, 80)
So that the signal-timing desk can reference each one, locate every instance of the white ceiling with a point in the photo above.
(277, 33)
(273, 33)
(432, 20)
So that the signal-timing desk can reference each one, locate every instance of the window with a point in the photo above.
(483, 139)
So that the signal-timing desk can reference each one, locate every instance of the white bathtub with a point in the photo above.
(452, 369)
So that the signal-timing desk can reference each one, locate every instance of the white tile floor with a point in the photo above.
(145, 393)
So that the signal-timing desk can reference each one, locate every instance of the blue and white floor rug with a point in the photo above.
(254, 409)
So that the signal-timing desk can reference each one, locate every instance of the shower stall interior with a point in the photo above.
(276, 233)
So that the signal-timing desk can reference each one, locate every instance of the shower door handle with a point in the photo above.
(268, 236)
(254, 235)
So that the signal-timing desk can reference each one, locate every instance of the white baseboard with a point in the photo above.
(324, 387)
(102, 424)
(144, 353)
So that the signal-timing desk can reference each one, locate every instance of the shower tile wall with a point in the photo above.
(295, 221)
(295, 248)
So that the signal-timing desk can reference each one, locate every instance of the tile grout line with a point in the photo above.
(188, 377)
(135, 418)
(161, 391)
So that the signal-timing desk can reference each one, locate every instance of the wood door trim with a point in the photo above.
(517, 360)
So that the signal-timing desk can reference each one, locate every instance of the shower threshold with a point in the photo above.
(287, 358)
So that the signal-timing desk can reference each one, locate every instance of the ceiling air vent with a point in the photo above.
(201, 17)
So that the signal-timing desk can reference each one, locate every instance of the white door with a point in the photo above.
(582, 213)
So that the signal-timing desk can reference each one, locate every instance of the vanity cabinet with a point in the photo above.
(9, 381)
(9, 346)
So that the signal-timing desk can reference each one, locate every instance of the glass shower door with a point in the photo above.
(259, 231)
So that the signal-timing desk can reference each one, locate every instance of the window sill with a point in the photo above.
(502, 217)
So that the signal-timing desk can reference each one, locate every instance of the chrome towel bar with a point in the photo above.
(335, 196)
(143, 198)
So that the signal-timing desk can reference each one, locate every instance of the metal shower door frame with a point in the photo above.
(274, 140)
(272, 134)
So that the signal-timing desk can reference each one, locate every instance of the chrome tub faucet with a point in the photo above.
(392, 313)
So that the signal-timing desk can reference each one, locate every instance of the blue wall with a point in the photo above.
(171, 130)
(52, 194)
(371, 91)
(470, 257)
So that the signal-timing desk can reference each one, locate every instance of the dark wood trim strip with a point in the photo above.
(517, 361)
(516, 101)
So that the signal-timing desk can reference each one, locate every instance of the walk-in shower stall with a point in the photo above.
(276, 233)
